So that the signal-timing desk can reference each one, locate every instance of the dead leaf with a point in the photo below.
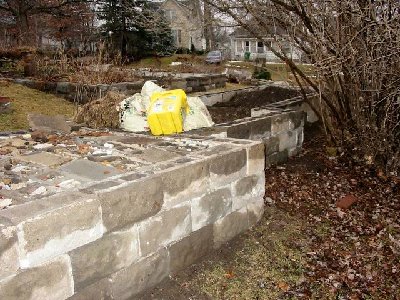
(283, 286)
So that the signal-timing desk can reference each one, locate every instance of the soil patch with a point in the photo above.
(305, 247)
(240, 106)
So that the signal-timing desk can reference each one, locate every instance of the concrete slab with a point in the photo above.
(89, 170)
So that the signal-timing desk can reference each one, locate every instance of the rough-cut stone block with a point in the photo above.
(101, 290)
(46, 233)
(9, 262)
(131, 203)
(161, 230)
(230, 226)
(255, 210)
(294, 151)
(287, 140)
(256, 159)
(185, 183)
(84, 169)
(297, 119)
(103, 257)
(229, 163)
(276, 158)
(271, 145)
(62, 87)
(48, 123)
(239, 131)
(190, 249)
(260, 128)
(50, 281)
(280, 123)
(227, 167)
(246, 185)
(311, 115)
(43, 158)
(211, 207)
(247, 189)
(140, 276)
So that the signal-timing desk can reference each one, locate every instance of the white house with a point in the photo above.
(243, 42)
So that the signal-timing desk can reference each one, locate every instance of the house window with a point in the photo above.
(247, 46)
(170, 14)
(177, 36)
(260, 47)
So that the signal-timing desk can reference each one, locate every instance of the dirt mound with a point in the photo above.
(101, 113)
(240, 105)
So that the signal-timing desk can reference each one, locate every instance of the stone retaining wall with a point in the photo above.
(281, 131)
(84, 93)
(115, 237)
(296, 103)
(199, 83)
(210, 99)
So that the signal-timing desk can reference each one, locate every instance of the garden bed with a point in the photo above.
(240, 105)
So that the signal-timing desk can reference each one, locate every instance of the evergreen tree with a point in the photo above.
(135, 27)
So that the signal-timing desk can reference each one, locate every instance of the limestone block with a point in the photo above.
(247, 189)
(276, 158)
(185, 182)
(132, 202)
(255, 210)
(105, 256)
(190, 249)
(211, 207)
(260, 128)
(49, 227)
(280, 123)
(271, 145)
(101, 290)
(311, 115)
(168, 226)
(294, 151)
(297, 119)
(52, 280)
(239, 131)
(9, 262)
(140, 276)
(256, 159)
(230, 226)
(62, 87)
(287, 140)
(227, 167)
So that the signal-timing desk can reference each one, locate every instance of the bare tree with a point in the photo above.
(23, 10)
(355, 48)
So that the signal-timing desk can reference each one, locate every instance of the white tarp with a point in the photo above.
(132, 111)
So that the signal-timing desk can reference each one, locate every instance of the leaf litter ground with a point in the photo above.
(305, 247)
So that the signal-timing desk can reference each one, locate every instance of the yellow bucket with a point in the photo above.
(166, 112)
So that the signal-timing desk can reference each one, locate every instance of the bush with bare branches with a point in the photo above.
(355, 48)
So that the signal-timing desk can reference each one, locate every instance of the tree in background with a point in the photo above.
(25, 14)
(355, 49)
(135, 28)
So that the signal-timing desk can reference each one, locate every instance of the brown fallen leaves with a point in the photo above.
(353, 221)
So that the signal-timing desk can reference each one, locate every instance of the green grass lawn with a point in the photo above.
(26, 100)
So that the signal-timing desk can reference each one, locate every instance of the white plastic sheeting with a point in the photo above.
(132, 111)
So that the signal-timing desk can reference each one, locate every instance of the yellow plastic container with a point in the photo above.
(166, 112)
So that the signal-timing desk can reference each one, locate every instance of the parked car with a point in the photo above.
(214, 57)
